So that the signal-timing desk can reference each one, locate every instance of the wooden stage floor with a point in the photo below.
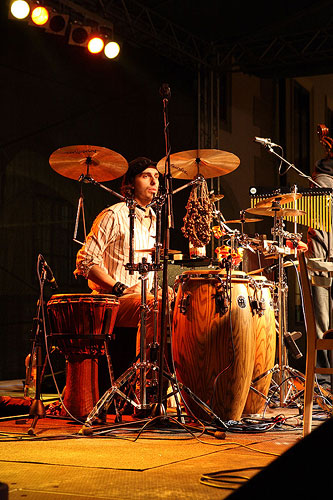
(164, 459)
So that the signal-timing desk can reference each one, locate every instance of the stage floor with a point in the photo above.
(163, 459)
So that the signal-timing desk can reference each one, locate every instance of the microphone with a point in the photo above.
(265, 142)
(49, 274)
(165, 91)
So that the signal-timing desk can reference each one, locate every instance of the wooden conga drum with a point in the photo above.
(263, 315)
(79, 326)
(213, 341)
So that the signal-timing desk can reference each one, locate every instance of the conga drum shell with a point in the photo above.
(265, 335)
(213, 348)
(79, 326)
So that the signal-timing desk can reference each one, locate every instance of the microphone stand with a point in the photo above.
(290, 165)
(169, 224)
(37, 409)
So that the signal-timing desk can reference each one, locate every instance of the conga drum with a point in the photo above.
(79, 326)
(213, 341)
(263, 315)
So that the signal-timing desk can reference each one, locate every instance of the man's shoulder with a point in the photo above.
(116, 209)
(109, 213)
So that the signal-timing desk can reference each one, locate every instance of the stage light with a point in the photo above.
(20, 9)
(79, 35)
(96, 45)
(111, 50)
(57, 23)
(39, 16)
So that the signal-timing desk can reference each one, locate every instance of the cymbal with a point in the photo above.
(239, 221)
(271, 212)
(100, 163)
(216, 197)
(278, 198)
(206, 162)
(152, 250)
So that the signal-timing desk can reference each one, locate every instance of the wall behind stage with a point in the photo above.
(55, 95)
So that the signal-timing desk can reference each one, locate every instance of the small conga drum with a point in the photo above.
(263, 315)
(213, 341)
(79, 326)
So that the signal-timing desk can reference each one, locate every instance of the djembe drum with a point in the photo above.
(80, 324)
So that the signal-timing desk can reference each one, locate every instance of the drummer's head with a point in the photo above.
(136, 169)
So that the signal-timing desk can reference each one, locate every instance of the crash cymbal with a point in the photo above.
(271, 212)
(216, 197)
(278, 198)
(100, 163)
(152, 250)
(206, 162)
(240, 221)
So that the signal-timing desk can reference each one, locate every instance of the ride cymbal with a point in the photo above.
(100, 163)
(278, 198)
(272, 212)
(206, 162)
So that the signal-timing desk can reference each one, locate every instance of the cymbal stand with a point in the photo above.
(282, 306)
(86, 178)
(282, 323)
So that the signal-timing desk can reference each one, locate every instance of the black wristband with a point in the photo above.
(118, 289)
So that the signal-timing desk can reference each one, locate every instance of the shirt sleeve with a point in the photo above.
(103, 232)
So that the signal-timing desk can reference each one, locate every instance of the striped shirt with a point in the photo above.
(108, 244)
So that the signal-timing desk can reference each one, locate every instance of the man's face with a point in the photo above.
(146, 185)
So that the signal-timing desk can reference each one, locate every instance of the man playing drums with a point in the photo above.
(103, 257)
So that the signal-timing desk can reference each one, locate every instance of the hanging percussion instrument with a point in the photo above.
(79, 326)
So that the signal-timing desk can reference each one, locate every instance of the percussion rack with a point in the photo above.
(316, 202)
(316, 205)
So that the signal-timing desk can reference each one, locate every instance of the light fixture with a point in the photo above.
(57, 23)
(79, 35)
(20, 9)
(97, 38)
(95, 44)
(111, 50)
(40, 16)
